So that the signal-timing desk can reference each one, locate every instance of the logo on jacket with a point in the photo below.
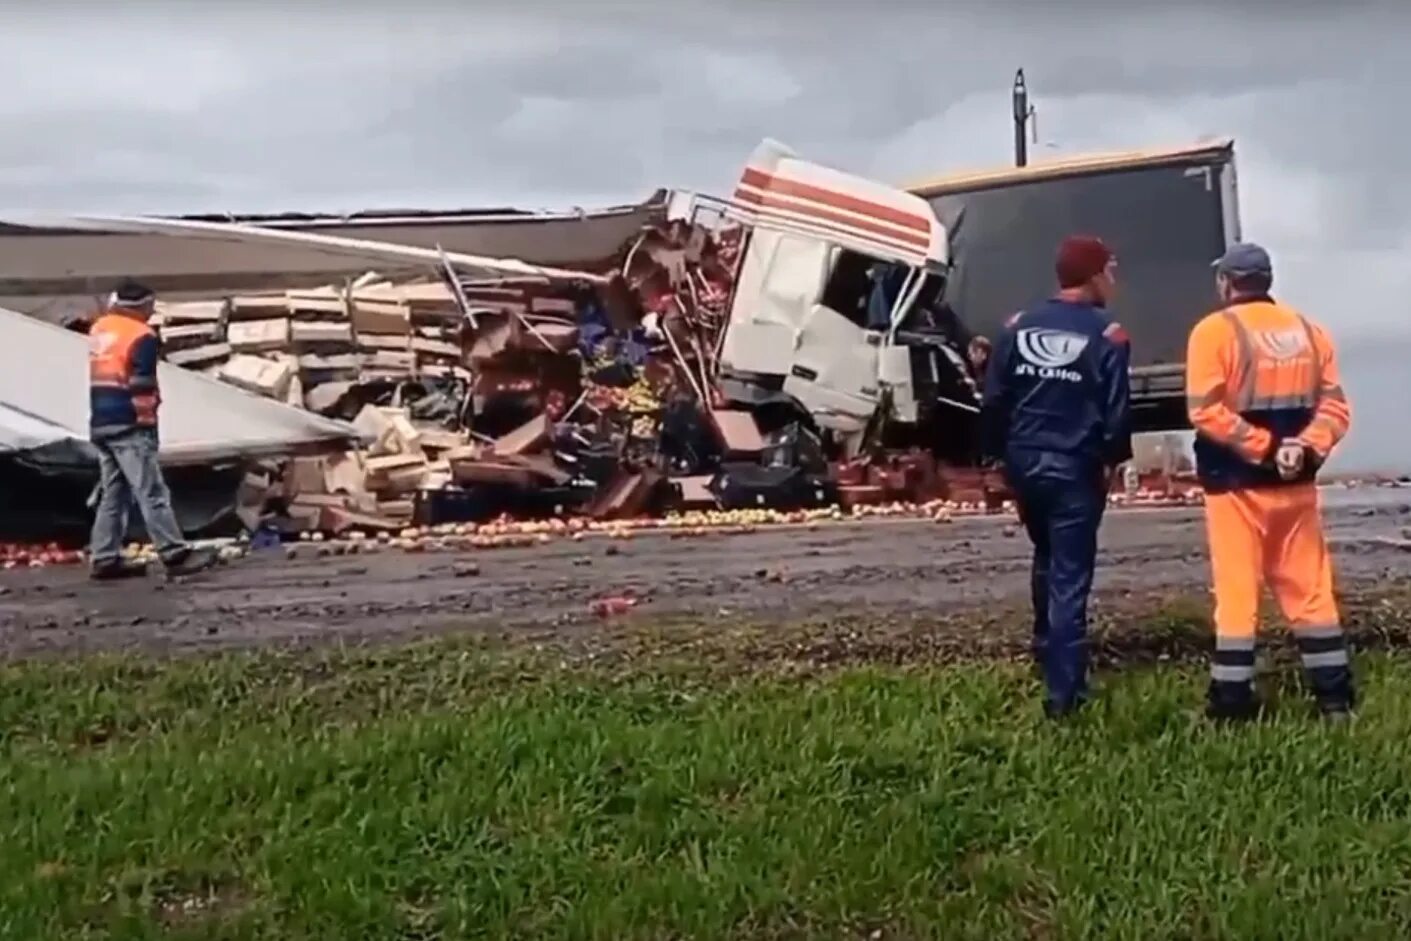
(101, 343)
(1283, 344)
(1046, 353)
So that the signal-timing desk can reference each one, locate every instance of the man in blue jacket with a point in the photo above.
(1057, 413)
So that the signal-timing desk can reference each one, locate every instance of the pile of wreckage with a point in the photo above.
(533, 399)
(478, 399)
(752, 371)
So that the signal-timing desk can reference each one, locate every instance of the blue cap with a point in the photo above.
(1244, 258)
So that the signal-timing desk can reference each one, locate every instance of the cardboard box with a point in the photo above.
(321, 333)
(380, 317)
(191, 312)
(738, 432)
(395, 473)
(529, 437)
(258, 307)
(344, 473)
(305, 475)
(256, 374)
(257, 336)
(390, 429)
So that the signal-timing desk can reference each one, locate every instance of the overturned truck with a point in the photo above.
(855, 302)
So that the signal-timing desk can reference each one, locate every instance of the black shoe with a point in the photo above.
(1232, 712)
(114, 571)
(190, 561)
(1336, 710)
(1231, 702)
(1058, 710)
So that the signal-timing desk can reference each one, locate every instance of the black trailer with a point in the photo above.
(1167, 215)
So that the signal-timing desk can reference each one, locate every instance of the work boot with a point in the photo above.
(1053, 709)
(1338, 708)
(1338, 715)
(189, 561)
(116, 570)
(1231, 702)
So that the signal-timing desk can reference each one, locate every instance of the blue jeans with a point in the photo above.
(1061, 505)
(129, 474)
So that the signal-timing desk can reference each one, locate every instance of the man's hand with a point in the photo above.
(1289, 458)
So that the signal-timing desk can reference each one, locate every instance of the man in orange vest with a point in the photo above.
(1267, 405)
(123, 402)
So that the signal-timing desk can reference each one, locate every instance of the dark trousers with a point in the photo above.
(1061, 505)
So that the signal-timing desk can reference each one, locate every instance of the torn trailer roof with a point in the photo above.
(1214, 151)
(44, 407)
(49, 266)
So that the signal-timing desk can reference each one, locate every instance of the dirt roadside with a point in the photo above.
(956, 579)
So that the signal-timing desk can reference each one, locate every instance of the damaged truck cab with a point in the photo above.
(833, 267)
(856, 300)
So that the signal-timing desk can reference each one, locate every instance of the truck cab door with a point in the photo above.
(834, 370)
(894, 368)
(778, 285)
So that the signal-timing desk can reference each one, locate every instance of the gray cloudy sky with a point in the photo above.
(346, 106)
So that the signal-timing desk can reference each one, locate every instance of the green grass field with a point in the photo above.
(445, 791)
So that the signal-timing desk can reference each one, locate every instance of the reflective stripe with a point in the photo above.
(1227, 642)
(1317, 370)
(1269, 403)
(1224, 673)
(1213, 397)
(1245, 398)
(1244, 364)
(1329, 658)
(1243, 439)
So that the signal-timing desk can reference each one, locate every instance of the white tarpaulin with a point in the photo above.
(211, 240)
(44, 403)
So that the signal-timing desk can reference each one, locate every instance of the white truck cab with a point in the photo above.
(834, 266)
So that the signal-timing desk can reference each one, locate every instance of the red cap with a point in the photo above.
(1080, 259)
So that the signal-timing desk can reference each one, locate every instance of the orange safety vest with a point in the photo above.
(1258, 373)
(122, 394)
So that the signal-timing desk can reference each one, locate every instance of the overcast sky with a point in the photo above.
(140, 107)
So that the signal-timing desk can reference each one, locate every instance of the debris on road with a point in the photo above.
(612, 606)
(14, 556)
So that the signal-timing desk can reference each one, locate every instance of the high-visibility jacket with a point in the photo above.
(1257, 373)
(122, 376)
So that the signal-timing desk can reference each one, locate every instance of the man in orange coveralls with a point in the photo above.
(1267, 404)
